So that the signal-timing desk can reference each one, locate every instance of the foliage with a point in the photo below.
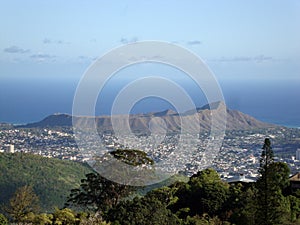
(204, 193)
(132, 157)
(204, 199)
(142, 211)
(272, 206)
(203, 220)
(165, 195)
(42, 219)
(267, 155)
(52, 179)
(201, 199)
(295, 208)
(240, 207)
(3, 220)
(64, 216)
(126, 166)
(92, 219)
(165, 204)
(98, 193)
(23, 202)
(171, 181)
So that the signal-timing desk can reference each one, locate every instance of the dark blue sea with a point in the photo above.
(30, 100)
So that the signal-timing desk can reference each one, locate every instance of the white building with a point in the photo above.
(298, 154)
(9, 148)
(240, 178)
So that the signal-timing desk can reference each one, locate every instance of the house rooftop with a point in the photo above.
(295, 177)
(240, 178)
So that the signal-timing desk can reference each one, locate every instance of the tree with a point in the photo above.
(3, 220)
(65, 217)
(295, 208)
(272, 206)
(43, 219)
(92, 219)
(164, 194)
(204, 220)
(267, 156)
(142, 211)
(98, 193)
(23, 202)
(132, 167)
(132, 157)
(241, 205)
(204, 193)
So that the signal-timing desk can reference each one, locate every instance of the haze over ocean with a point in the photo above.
(24, 101)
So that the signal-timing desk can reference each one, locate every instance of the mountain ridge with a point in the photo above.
(236, 120)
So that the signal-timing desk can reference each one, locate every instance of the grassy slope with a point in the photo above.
(52, 179)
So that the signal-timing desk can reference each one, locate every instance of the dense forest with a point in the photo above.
(203, 199)
(50, 178)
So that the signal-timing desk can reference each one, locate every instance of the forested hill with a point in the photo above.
(52, 179)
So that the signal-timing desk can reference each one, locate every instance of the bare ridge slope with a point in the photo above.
(235, 120)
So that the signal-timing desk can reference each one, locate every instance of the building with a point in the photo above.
(295, 181)
(298, 154)
(9, 148)
(241, 178)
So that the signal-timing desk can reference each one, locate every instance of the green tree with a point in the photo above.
(51, 178)
(92, 219)
(267, 156)
(65, 217)
(295, 208)
(23, 202)
(131, 167)
(241, 205)
(132, 157)
(43, 219)
(97, 193)
(272, 206)
(164, 194)
(203, 220)
(3, 220)
(142, 211)
(204, 193)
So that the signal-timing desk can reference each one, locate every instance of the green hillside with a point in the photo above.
(52, 179)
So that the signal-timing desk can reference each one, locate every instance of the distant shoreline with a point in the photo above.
(289, 125)
(271, 122)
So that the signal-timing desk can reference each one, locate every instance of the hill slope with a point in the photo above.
(52, 179)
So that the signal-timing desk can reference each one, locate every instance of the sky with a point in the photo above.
(52, 43)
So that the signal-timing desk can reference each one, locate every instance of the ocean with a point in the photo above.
(30, 100)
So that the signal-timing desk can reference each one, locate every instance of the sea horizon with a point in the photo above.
(31, 100)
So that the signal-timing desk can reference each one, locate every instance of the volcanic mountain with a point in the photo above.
(234, 120)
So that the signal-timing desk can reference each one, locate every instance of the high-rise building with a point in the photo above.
(298, 154)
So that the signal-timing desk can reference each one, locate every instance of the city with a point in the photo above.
(239, 154)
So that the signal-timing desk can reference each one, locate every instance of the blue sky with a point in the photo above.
(236, 38)
(55, 41)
